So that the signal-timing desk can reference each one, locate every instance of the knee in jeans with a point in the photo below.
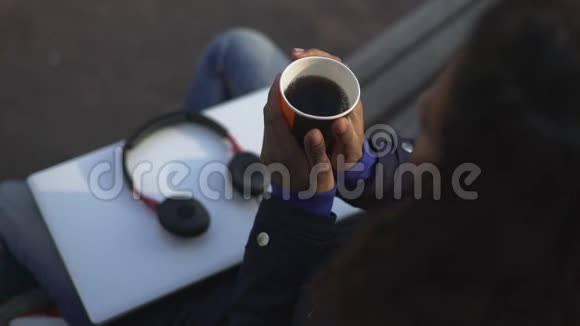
(243, 38)
(245, 35)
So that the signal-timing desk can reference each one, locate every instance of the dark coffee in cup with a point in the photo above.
(318, 96)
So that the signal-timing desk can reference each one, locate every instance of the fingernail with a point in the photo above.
(297, 51)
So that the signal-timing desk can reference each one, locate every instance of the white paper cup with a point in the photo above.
(300, 122)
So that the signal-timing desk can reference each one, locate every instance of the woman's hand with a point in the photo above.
(349, 132)
(290, 167)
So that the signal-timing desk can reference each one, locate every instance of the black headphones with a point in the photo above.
(187, 217)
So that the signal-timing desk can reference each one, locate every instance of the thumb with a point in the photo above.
(321, 172)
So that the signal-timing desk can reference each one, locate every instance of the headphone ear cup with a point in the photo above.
(185, 218)
(255, 182)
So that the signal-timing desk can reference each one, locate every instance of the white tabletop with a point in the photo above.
(118, 256)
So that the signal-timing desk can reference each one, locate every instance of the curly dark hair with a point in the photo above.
(511, 257)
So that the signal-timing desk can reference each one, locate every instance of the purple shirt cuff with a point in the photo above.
(319, 204)
(368, 162)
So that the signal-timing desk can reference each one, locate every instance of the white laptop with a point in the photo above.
(117, 254)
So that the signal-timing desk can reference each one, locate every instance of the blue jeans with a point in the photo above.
(235, 63)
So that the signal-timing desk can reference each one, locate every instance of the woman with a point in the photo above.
(508, 103)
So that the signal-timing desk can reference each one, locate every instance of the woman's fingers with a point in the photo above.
(274, 122)
(315, 149)
(349, 142)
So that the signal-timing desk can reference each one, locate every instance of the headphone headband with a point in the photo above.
(168, 120)
(171, 119)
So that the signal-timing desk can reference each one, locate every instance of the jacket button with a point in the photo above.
(263, 239)
(408, 147)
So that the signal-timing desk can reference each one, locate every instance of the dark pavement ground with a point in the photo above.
(76, 75)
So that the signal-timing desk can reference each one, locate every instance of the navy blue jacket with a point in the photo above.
(285, 247)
